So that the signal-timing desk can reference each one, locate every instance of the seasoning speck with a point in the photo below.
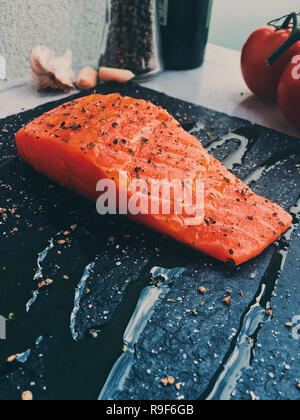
(227, 301)
(11, 359)
(202, 290)
(27, 396)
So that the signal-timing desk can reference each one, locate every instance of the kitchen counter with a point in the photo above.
(218, 85)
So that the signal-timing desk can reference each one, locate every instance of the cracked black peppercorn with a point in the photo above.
(132, 37)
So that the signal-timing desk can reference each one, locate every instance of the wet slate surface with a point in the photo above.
(275, 370)
(189, 336)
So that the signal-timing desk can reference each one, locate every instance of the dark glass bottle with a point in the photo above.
(184, 28)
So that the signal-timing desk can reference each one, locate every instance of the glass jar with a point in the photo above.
(131, 38)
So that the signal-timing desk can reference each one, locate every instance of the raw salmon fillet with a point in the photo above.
(92, 138)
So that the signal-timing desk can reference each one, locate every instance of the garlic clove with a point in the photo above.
(87, 79)
(107, 74)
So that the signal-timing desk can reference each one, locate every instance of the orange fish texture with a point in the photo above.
(93, 138)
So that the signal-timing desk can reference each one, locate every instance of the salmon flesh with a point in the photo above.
(96, 137)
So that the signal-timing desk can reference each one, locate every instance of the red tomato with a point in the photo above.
(289, 91)
(261, 77)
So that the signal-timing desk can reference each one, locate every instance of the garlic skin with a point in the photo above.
(50, 71)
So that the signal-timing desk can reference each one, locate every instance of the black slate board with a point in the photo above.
(188, 336)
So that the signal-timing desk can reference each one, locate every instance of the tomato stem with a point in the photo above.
(293, 38)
